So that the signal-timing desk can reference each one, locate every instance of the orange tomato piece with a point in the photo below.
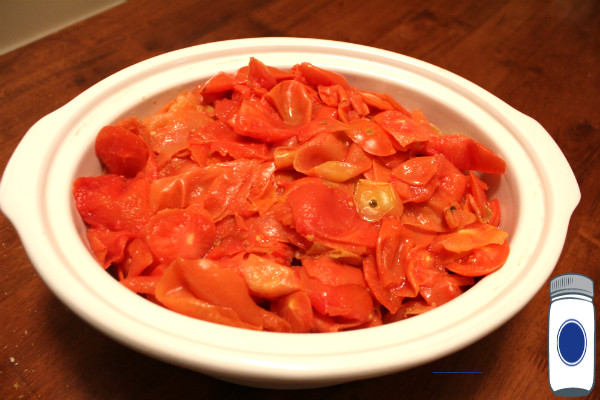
(223, 287)
(221, 82)
(108, 246)
(478, 198)
(259, 78)
(173, 292)
(383, 295)
(481, 261)
(113, 202)
(267, 278)
(349, 301)
(469, 238)
(121, 151)
(465, 153)
(322, 148)
(494, 205)
(293, 101)
(321, 211)
(371, 137)
(402, 127)
(331, 272)
(296, 309)
(141, 284)
(139, 258)
(172, 233)
(258, 120)
(315, 76)
(417, 171)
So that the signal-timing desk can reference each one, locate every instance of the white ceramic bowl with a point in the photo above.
(538, 192)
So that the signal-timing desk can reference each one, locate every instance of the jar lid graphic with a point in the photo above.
(571, 284)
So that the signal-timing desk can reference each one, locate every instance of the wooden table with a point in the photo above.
(542, 57)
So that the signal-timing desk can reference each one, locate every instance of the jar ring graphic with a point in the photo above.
(571, 342)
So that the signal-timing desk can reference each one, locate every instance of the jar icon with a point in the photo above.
(571, 335)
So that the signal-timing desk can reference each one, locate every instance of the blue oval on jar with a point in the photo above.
(571, 342)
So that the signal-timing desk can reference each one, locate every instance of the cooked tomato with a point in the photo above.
(350, 301)
(121, 151)
(374, 200)
(293, 101)
(371, 137)
(316, 76)
(221, 82)
(417, 171)
(481, 261)
(470, 237)
(268, 279)
(322, 211)
(288, 200)
(113, 202)
(224, 288)
(259, 120)
(172, 233)
(402, 127)
(465, 153)
(296, 309)
(332, 272)
(108, 246)
(260, 78)
(173, 292)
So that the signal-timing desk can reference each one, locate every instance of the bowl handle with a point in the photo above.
(553, 162)
(24, 177)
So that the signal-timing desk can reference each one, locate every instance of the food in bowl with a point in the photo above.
(538, 193)
(288, 200)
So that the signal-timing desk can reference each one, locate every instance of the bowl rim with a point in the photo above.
(289, 359)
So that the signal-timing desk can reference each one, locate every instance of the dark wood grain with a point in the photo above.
(541, 57)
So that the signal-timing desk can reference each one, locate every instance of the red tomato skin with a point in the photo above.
(481, 261)
(348, 301)
(494, 205)
(331, 272)
(259, 76)
(452, 182)
(221, 82)
(108, 246)
(221, 287)
(316, 76)
(113, 202)
(379, 293)
(121, 151)
(256, 119)
(293, 101)
(465, 153)
(295, 308)
(172, 233)
(417, 171)
(171, 291)
(370, 137)
(328, 212)
(415, 194)
(402, 127)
